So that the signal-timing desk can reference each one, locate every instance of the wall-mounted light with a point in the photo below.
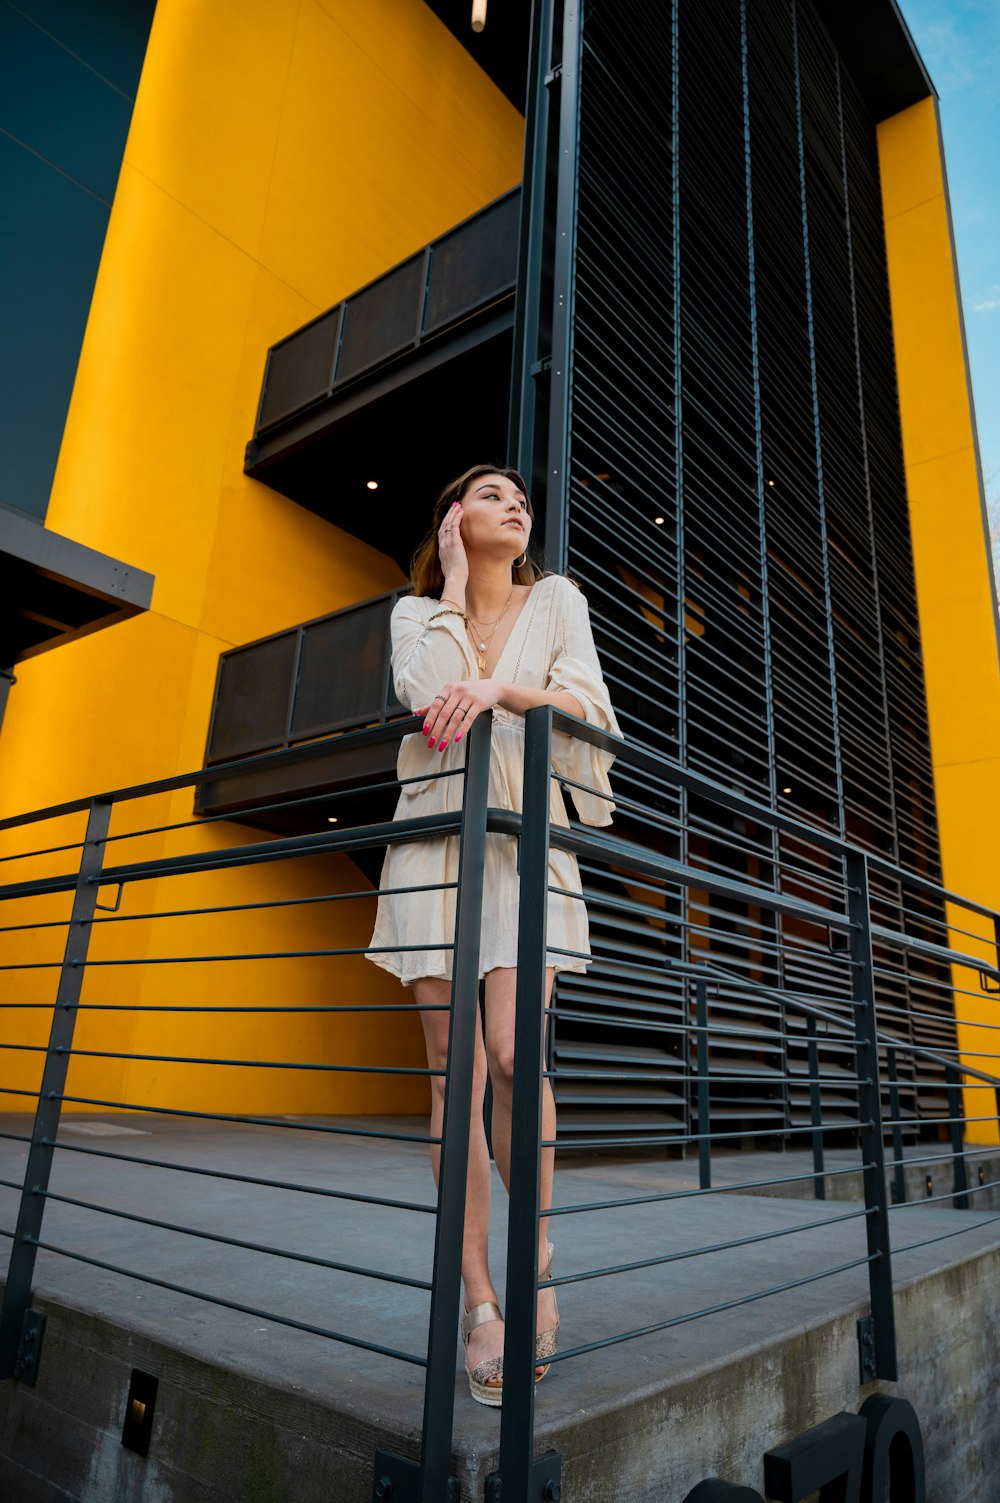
(372, 485)
(478, 14)
(139, 1408)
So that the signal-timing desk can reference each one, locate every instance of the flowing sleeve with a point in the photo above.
(427, 653)
(576, 670)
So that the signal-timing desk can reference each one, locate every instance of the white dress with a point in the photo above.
(551, 647)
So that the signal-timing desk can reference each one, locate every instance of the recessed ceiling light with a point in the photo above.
(331, 819)
(786, 790)
(770, 482)
(659, 521)
(373, 485)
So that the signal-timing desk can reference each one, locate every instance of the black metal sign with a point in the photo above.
(847, 1458)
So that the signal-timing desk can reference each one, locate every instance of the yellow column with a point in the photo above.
(954, 576)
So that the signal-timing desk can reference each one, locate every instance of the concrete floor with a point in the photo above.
(384, 1393)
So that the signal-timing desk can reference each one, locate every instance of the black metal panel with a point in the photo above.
(300, 368)
(341, 677)
(326, 675)
(474, 264)
(383, 319)
(252, 697)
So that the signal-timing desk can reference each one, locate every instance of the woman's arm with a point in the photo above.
(449, 716)
(519, 700)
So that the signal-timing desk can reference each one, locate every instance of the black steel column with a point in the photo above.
(870, 1115)
(518, 1477)
(704, 1103)
(17, 1295)
(815, 1112)
(563, 264)
(525, 363)
(439, 1389)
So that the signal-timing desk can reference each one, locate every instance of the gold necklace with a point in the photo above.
(482, 648)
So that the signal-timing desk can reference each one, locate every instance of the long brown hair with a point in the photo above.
(425, 568)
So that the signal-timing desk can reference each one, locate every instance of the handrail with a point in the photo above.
(689, 998)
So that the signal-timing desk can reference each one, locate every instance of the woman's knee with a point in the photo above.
(500, 1053)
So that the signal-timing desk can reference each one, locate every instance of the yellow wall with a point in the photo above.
(955, 590)
(282, 153)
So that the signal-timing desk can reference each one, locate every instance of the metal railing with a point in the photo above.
(95, 948)
(858, 961)
(805, 948)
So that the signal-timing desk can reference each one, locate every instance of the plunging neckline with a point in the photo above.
(511, 634)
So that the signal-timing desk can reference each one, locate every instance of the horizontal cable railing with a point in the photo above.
(725, 1002)
(871, 1110)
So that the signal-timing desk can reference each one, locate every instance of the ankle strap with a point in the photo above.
(478, 1316)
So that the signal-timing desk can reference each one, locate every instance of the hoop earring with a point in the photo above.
(520, 562)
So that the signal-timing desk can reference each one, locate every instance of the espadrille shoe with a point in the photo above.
(483, 1391)
(546, 1342)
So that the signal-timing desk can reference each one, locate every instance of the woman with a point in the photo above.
(486, 631)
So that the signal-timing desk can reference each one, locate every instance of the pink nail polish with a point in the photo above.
(430, 742)
(426, 730)
(442, 746)
(458, 737)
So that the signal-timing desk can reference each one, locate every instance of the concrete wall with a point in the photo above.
(223, 1436)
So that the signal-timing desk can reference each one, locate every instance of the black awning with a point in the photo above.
(53, 589)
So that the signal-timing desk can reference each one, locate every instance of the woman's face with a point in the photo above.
(495, 517)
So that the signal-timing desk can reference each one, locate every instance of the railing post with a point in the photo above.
(396, 1476)
(956, 1124)
(518, 1477)
(704, 1108)
(882, 1362)
(898, 1168)
(21, 1270)
(439, 1389)
(815, 1111)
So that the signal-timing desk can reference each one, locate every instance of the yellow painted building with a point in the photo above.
(280, 155)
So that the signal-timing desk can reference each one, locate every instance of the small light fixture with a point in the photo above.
(139, 1408)
(659, 521)
(786, 790)
(478, 14)
(331, 819)
(372, 485)
(770, 482)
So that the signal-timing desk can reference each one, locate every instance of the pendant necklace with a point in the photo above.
(482, 648)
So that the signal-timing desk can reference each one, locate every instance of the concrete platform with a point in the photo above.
(251, 1410)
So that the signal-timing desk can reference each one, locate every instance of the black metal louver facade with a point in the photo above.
(722, 401)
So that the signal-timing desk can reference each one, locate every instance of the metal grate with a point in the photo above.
(736, 514)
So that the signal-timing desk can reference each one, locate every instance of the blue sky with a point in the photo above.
(959, 41)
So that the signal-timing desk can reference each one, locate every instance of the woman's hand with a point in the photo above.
(451, 549)
(451, 713)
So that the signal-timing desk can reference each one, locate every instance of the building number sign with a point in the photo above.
(875, 1456)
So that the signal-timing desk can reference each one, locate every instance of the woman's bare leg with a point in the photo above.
(501, 985)
(486, 1340)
